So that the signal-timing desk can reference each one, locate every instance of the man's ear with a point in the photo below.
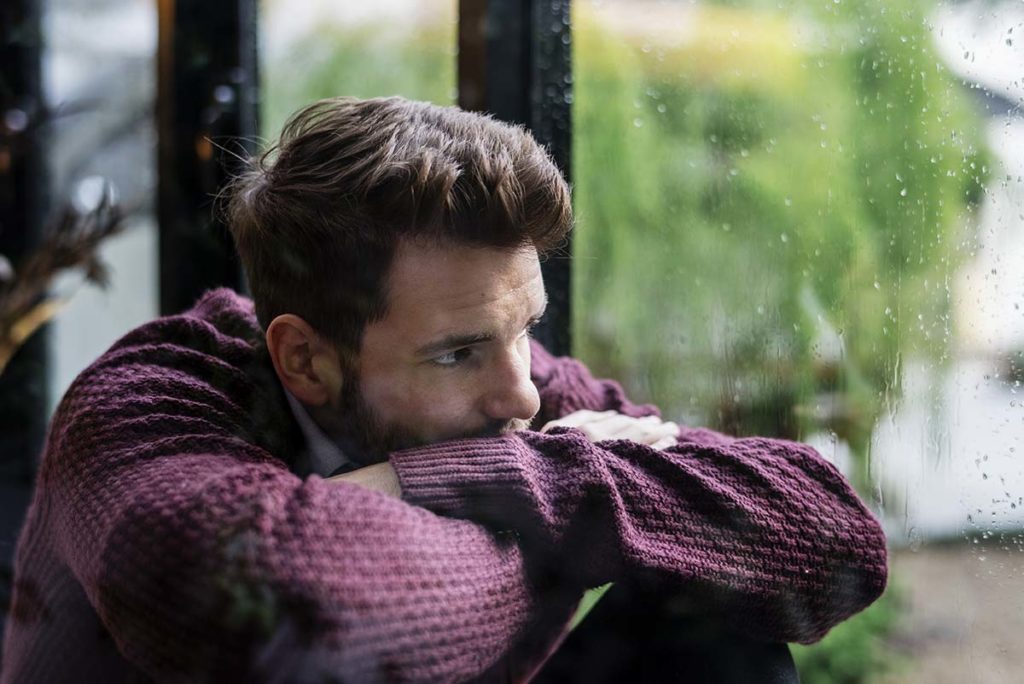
(306, 363)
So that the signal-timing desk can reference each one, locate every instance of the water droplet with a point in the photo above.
(784, 237)
(223, 94)
(16, 120)
(914, 537)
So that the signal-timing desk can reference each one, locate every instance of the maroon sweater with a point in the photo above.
(169, 537)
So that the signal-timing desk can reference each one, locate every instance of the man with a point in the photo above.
(337, 482)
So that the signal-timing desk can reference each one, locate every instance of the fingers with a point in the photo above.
(664, 443)
(618, 426)
(578, 419)
(604, 425)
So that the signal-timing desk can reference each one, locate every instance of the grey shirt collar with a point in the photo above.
(324, 455)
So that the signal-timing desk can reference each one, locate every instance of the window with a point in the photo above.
(799, 219)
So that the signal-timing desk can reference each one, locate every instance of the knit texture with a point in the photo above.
(169, 539)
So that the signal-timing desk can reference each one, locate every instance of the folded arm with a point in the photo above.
(762, 532)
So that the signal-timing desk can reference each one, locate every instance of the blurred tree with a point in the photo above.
(771, 204)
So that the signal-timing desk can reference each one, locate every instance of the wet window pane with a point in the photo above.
(801, 219)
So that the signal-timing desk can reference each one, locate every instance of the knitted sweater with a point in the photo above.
(169, 538)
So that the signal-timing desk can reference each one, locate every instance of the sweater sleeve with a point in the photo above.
(763, 533)
(207, 560)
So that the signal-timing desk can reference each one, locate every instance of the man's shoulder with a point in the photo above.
(221, 324)
(214, 346)
(203, 372)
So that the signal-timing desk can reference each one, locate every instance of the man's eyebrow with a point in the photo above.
(458, 340)
(450, 342)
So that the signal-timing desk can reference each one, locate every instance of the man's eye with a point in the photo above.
(453, 358)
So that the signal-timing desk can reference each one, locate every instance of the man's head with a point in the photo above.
(375, 235)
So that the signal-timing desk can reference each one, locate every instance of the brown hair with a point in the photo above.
(318, 216)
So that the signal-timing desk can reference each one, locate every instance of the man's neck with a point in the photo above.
(324, 453)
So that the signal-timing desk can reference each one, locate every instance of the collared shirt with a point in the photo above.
(324, 456)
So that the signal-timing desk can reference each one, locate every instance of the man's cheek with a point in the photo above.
(442, 414)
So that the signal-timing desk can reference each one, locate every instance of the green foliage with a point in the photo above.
(755, 239)
(362, 61)
(856, 651)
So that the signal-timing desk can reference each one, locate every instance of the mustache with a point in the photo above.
(499, 428)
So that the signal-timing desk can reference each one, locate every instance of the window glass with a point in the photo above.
(802, 219)
(323, 49)
(99, 76)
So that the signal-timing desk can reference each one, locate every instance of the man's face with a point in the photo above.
(452, 357)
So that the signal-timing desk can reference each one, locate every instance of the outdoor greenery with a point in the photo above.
(770, 210)
(771, 201)
(855, 651)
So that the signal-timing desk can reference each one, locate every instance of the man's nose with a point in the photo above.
(511, 393)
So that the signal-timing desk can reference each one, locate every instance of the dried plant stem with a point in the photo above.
(31, 321)
(73, 242)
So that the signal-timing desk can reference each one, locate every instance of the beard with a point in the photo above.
(366, 438)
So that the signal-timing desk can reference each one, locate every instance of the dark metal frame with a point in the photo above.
(23, 192)
(24, 384)
(515, 63)
(207, 116)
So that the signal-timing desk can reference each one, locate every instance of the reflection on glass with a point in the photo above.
(802, 219)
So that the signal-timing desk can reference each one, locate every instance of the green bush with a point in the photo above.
(367, 60)
(855, 651)
(770, 211)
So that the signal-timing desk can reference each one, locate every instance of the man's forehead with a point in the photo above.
(462, 276)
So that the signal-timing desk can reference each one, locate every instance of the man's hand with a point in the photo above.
(602, 425)
(379, 476)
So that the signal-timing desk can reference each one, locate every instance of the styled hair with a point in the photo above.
(317, 217)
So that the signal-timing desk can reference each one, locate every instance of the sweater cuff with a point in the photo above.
(454, 478)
